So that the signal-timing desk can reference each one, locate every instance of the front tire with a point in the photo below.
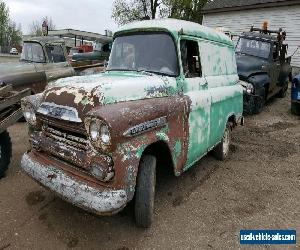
(283, 91)
(5, 152)
(260, 102)
(221, 151)
(145, 191)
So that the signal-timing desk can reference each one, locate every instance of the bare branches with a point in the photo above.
(125, 11)
(36, 26)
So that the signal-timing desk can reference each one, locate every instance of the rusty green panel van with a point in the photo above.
(170, 95)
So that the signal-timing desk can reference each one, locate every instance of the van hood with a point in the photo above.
(83, 93)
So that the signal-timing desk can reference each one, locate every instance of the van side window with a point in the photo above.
(190, 58)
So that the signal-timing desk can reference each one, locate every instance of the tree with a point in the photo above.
(36, 26)
(189, 10)
(10, 34)
(4, 21)
(125, 11)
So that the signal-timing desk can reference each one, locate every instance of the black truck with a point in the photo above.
(263, 67)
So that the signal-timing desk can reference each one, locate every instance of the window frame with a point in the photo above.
(175, 40)
(185, 38)
(62, 49)
(39, 44)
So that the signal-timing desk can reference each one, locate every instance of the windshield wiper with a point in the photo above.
(142, 70)
(115, 69)
(157, 72)
(25, 60)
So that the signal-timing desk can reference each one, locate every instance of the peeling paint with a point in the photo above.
(79, 193)
(141, 111)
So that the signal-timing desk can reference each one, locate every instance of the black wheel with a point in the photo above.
(259, 101)
(221, 151)
(282, 92)
(5, 152)
(145, 191)
(295, 108)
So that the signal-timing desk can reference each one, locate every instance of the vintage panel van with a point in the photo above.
(170, 95)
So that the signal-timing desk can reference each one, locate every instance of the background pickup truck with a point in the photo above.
(43, 59)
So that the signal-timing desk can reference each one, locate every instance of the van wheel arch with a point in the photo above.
(155, 158)
(160, 149)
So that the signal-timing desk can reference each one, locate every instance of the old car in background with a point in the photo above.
(10, 112)
(263, 67)
(92, 59)
(14, 51)
(295, 95)
(43, 59)
(169, 96)
(80, 49)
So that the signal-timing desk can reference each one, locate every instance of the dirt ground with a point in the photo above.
(258, 187)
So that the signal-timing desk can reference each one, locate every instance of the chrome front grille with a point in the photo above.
(75, 140)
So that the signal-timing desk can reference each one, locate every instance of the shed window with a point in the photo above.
(190, 58)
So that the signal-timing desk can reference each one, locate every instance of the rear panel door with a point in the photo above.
(226, 95)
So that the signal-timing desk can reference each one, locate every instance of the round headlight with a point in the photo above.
(104, 134)
(94, 131)
(249, 88)
(29, 115)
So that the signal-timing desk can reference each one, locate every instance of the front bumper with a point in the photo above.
(95, 199)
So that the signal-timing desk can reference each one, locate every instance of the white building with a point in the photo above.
(238, 16)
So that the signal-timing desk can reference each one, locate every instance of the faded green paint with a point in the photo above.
(85, 100)
(140, 151)
(176, 28)
(118, 86)
(214, 97)
(177, 150)
(162, 134)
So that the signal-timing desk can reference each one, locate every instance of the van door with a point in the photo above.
(57, 66)
(195, 87)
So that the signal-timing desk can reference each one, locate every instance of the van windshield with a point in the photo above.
(253, 47)
(151, 52)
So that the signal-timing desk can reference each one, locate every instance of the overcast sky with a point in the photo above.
(87, 15)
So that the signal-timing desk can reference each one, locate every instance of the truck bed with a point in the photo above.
(10, 107)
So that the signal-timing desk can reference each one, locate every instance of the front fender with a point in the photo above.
(127, 148)
(259, 80)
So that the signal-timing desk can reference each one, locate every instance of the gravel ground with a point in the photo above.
(258, 187)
